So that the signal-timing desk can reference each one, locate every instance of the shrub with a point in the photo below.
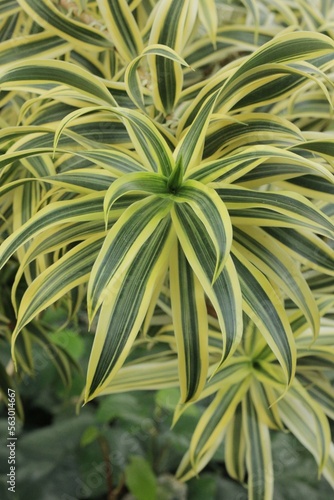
(170, 165)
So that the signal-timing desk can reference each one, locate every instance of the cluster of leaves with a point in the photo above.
(172, 163)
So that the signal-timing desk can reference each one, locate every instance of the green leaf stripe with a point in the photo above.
(8, 7)
(87, 208)
(52, 19)
(122, 317)
(168, 30)
(293, 208)
(225, 292)
(215, 418)
(147, 375)
(122, 27)
(284, 48)
(148, 141)
(131, 77)
(306, 246)
(143, 182)
(69, 271)
(258, 455)
(235, 447)
(306, 420)
(114, 161)
(248, 129)
(38, 71)
(189, 309)
(191, 146)
(209, 208)
(263, 252)
(262, 305)
(41, 44)
(124, 240)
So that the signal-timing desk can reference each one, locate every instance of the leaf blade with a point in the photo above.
(191, 330)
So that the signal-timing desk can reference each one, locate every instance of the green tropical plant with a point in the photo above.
(172, 164)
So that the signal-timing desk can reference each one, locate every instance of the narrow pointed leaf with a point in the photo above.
(131, 76)
(215, 418)
(116, 162)
(258, 455)
(143, 182)
(321, 391)
(264, 400)
(235, 447)
(40, 45)
(265, 309)
(303, 416)
(87, 208)
(191, 146)
(68, 272)
(288, 208)
(123, 241)
(48, 16)
(191, 329)
(211, 211)
(123, 312)
(170, 27)
(149, 374)
(122, 27)
(148, 141)
(33, 73)
(306, 247)
(264, 253)
(209, 18)
(224, 294)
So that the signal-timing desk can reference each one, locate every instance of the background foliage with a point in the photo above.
(57, 446)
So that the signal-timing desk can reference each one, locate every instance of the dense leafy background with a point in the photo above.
(60, 455)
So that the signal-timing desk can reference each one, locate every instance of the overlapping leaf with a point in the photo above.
(124, 309)
(51, 18)
(191, 329)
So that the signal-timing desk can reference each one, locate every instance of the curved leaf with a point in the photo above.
(122, 27)
(264, 307)
(148, 141)
(191, 329)
(30, 74)
(48, 16)
(131, 76)
(87, 208)
(265, 254)
(68, 272)
(303, 416)
(211, 211)
(122, 243)
(215, 418)
(123, 311)
(286, 209)
(171, 25)
(224, 294)
(258, 454)
(143, 182)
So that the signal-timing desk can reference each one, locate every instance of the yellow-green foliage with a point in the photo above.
(172, 164)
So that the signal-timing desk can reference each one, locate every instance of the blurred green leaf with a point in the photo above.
(204, 486)
(140, 479)
(168, 398)
(295, 472)
(91, 434)
(130, 408)
(70, 341)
